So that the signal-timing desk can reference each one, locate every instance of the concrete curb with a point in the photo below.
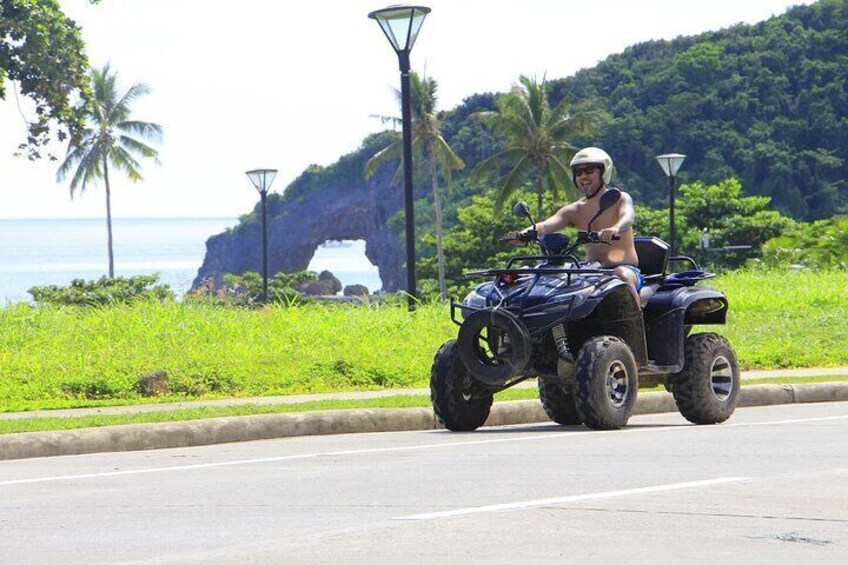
(137, 437)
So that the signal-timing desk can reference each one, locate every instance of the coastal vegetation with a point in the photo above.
(537, 142)
(110, 137)
(56, 357)
(42, 50)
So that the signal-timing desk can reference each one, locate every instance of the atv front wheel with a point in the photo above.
(607, 383)
(460, 402)
(707, 389)
(559, 402)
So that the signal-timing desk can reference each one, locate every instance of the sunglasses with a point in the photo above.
(578, 171)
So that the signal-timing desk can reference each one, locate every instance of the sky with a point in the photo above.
(282, 85)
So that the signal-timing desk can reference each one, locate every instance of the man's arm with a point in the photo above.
(564, 217)
(626, 216)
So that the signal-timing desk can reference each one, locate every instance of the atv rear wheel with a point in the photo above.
(707, 389)
(460, 402)
(558, 400)
(607, 383)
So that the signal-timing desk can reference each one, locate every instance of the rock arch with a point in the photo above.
(298, 225)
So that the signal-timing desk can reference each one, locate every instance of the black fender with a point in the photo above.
(669, 315)
(610, 310)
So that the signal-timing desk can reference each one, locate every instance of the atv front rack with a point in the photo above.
(521, 294)
(538, 271)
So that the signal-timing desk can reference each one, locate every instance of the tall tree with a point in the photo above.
(42, 52)
(537, 141)
(428, 146)
(110, 137)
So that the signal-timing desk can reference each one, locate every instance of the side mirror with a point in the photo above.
(522, 209)
(608, 199)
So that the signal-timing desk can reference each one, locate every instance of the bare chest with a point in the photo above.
(587, 210)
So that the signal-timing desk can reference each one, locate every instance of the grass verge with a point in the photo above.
(76, 357)
(38, 424)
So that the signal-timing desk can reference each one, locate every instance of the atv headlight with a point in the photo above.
(474, 299)
(576, 297)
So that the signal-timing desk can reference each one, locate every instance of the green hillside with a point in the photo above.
(767, 103)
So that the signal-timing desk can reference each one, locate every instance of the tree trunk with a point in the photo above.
(108, 219)
(539, 212)
(440, 253)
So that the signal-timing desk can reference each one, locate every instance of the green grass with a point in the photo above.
(72, 357)
(400, 401)
(787, 319)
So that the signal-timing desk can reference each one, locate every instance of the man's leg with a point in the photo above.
(632, 279)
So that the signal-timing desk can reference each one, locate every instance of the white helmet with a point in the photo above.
(593, 156)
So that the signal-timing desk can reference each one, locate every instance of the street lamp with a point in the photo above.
(670, 163)
(401, 25)
(262, 179)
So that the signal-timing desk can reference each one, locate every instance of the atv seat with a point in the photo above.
(653, 260)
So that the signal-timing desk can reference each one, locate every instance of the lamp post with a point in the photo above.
(262, 179)
(670, 163)
(401, 25)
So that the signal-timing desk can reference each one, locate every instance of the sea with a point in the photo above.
(40, 252)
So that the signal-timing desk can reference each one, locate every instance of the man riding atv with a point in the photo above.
(591, 170)
(579, 328)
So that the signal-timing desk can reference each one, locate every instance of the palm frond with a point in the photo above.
(513, 180)
(87, 170)
(390, 154)
(122, 110)
(535, 96)
(446, 158)
(146, 130)
(137, 147)
(394, 120)
(492, 165)
(561, 176)
(124, 161)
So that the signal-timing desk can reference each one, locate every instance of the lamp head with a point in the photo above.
(401, 24)
(262, 179)
(670, 163)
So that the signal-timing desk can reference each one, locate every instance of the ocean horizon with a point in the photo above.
(45, 251)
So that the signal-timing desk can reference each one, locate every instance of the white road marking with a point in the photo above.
(540, 437)
(573, 498)
(796, 421)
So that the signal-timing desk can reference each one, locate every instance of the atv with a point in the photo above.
(578, 329)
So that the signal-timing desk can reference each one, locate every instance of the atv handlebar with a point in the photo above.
(521, 236)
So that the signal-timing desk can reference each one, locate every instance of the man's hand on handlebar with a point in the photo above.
(608, 234)
(519, 237)
(590, 237)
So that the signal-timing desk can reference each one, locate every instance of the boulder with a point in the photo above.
(356, 290)
(328, 276)
(321, 287)
(154, 383)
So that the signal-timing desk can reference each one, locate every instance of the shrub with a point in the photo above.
(105, 291)
(246, 289)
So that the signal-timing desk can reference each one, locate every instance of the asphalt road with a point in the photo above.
(770, 486)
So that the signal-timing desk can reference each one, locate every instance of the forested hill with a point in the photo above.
(767, 103)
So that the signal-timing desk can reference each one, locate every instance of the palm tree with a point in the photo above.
(428, 146)
(110, 137)
(536, 137)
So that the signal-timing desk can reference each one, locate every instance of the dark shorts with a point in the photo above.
(640, 280)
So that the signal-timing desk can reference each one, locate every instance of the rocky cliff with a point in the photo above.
(323, 203)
